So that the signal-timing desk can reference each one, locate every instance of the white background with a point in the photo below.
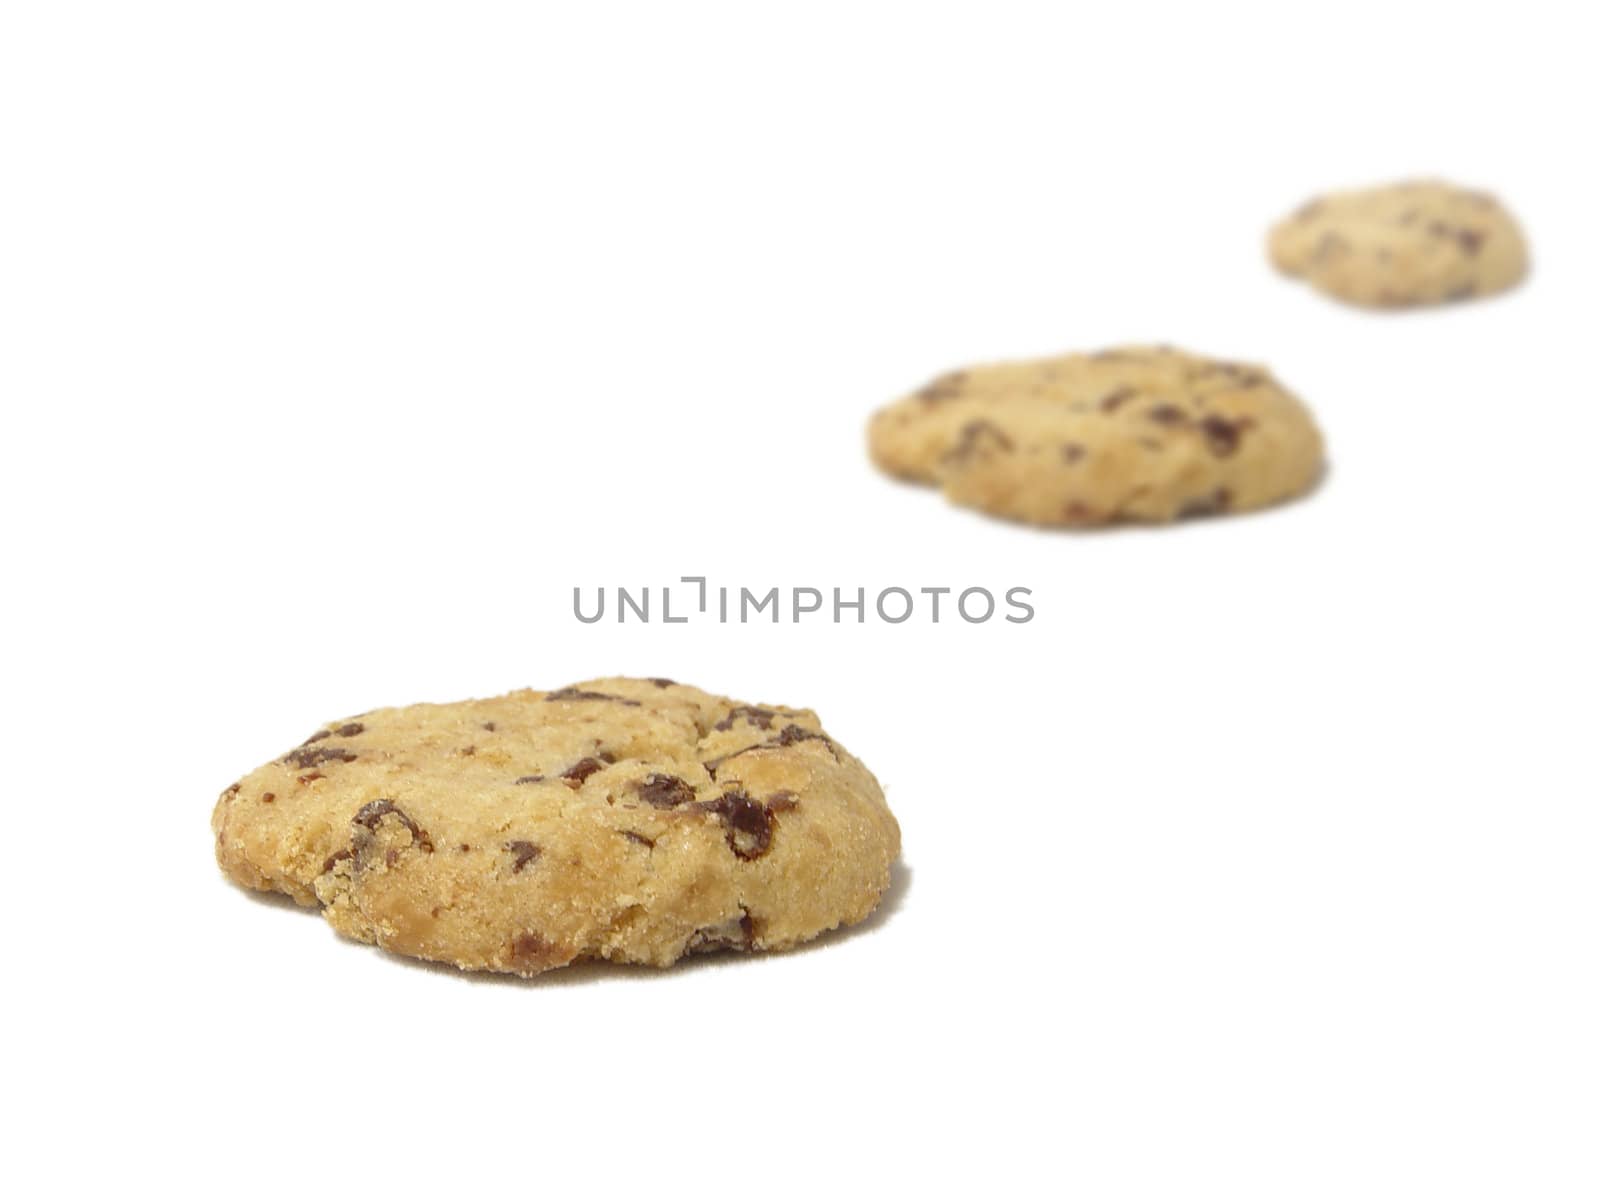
(339, 342)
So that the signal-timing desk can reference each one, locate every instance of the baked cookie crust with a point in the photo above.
(1402, 245)
(1130, 434)
(632, 820)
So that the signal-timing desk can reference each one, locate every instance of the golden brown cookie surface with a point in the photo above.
(623, 819)
(1402, 245)
(1129, 434)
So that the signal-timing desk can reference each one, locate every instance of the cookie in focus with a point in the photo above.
(1131, 434)
(631, 820)
(1402, 245)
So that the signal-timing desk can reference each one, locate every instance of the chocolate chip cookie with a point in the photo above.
(634, 820)
(1402, 245)
(1124, 435)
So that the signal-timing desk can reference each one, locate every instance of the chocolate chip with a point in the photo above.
(1222, 435)
(1218, 501)
(759, 717)
(314, 758)
(1167, 414)
(309, 776)
(529, 779)
(1078, 513)
(977, 437)
(638, 837)
(784, 801)
(529, 943)
(522, 853)
(663, 683)
(747, 823)
(489, 725)
(793, 735)
(371, 814)
(1470, 240)
(328, 863)
(533, 951)
(572, 693)
(350, 729)
(664, 791)
(1114, 400)
(1072, 452)
(790, 735)
(268, 797)
(581, 770)
(730, 935)
(1329, 245)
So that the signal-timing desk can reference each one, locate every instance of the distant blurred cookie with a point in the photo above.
(1129, 434)
(1402, 245)
(636, 820)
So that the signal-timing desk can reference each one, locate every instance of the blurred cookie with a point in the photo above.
(1129, 434)
(633, 820)
(1402, 245)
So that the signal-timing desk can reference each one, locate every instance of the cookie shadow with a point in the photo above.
(594, 971)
